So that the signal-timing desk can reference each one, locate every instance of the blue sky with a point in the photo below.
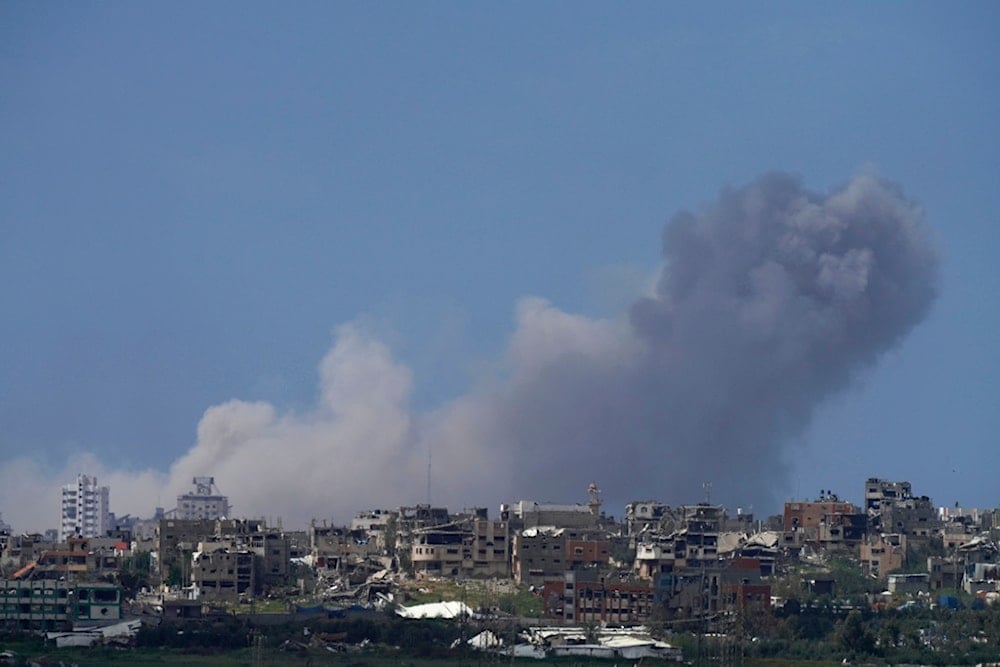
(193, 197)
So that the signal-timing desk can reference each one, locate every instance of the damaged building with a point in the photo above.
(700, 569)
(892, 508)
(826, 522)
(469, 545)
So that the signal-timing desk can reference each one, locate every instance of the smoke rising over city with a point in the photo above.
(770, 300)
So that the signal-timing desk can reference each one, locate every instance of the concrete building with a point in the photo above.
(693, 544)
(50, 604)
(205, 502)
(799, 515)
(587, 596)
(372, 521)
(223, 572)
(699, 570)
(880, 554)
(827, 520)
(881, 492)
(471, 546)
(176, 539)
(892, 508)
(650, 516)
(85, 509)
(380, 529)
(946, 572)
(421, 516)
(530, 514)
(328, 545)
(20, 550)
(741, 588)
(542, 554)
(909, 584)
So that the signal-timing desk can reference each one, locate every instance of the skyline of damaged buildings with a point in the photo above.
(678, 561)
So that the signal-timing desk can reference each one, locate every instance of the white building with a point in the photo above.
(203, 503)
(85, 509)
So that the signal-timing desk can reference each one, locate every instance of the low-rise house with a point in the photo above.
(909, 584)
(945, 572)
(741, 587)
(880, 554)
(20, 550)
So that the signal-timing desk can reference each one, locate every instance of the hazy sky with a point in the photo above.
(235, 234)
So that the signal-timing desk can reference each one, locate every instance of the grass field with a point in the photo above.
(273, 657)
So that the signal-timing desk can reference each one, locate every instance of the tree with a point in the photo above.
(134, 573)
(890, 633)
(854, 636)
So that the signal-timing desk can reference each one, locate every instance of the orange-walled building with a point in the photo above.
(811, 514)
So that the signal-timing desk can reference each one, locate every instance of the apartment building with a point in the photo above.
(827, 520)
(472, 545)
(53, 604)
(589, 596)
(85, 509)
(541, 554)
(223, 572)
(205, 502)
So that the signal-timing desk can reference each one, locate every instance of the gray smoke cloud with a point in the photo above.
(770, 300)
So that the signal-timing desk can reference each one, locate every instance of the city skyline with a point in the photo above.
(206, 501)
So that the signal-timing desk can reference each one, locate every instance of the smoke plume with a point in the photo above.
(769, 301)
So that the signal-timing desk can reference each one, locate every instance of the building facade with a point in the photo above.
(52, 604)
(204, 503)
(85, 509)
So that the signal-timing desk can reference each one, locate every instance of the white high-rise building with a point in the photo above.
(85, 509)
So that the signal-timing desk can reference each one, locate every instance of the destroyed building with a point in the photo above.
(179, 541)
(223, 572)
(892, 508)
(469, 545)
(546, 552)
(592, 596)
(699, 569)
(826, 521)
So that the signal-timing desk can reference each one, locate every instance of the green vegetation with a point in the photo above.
(850, 582)
(797, 635)
(917, 635)
(134, 573)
